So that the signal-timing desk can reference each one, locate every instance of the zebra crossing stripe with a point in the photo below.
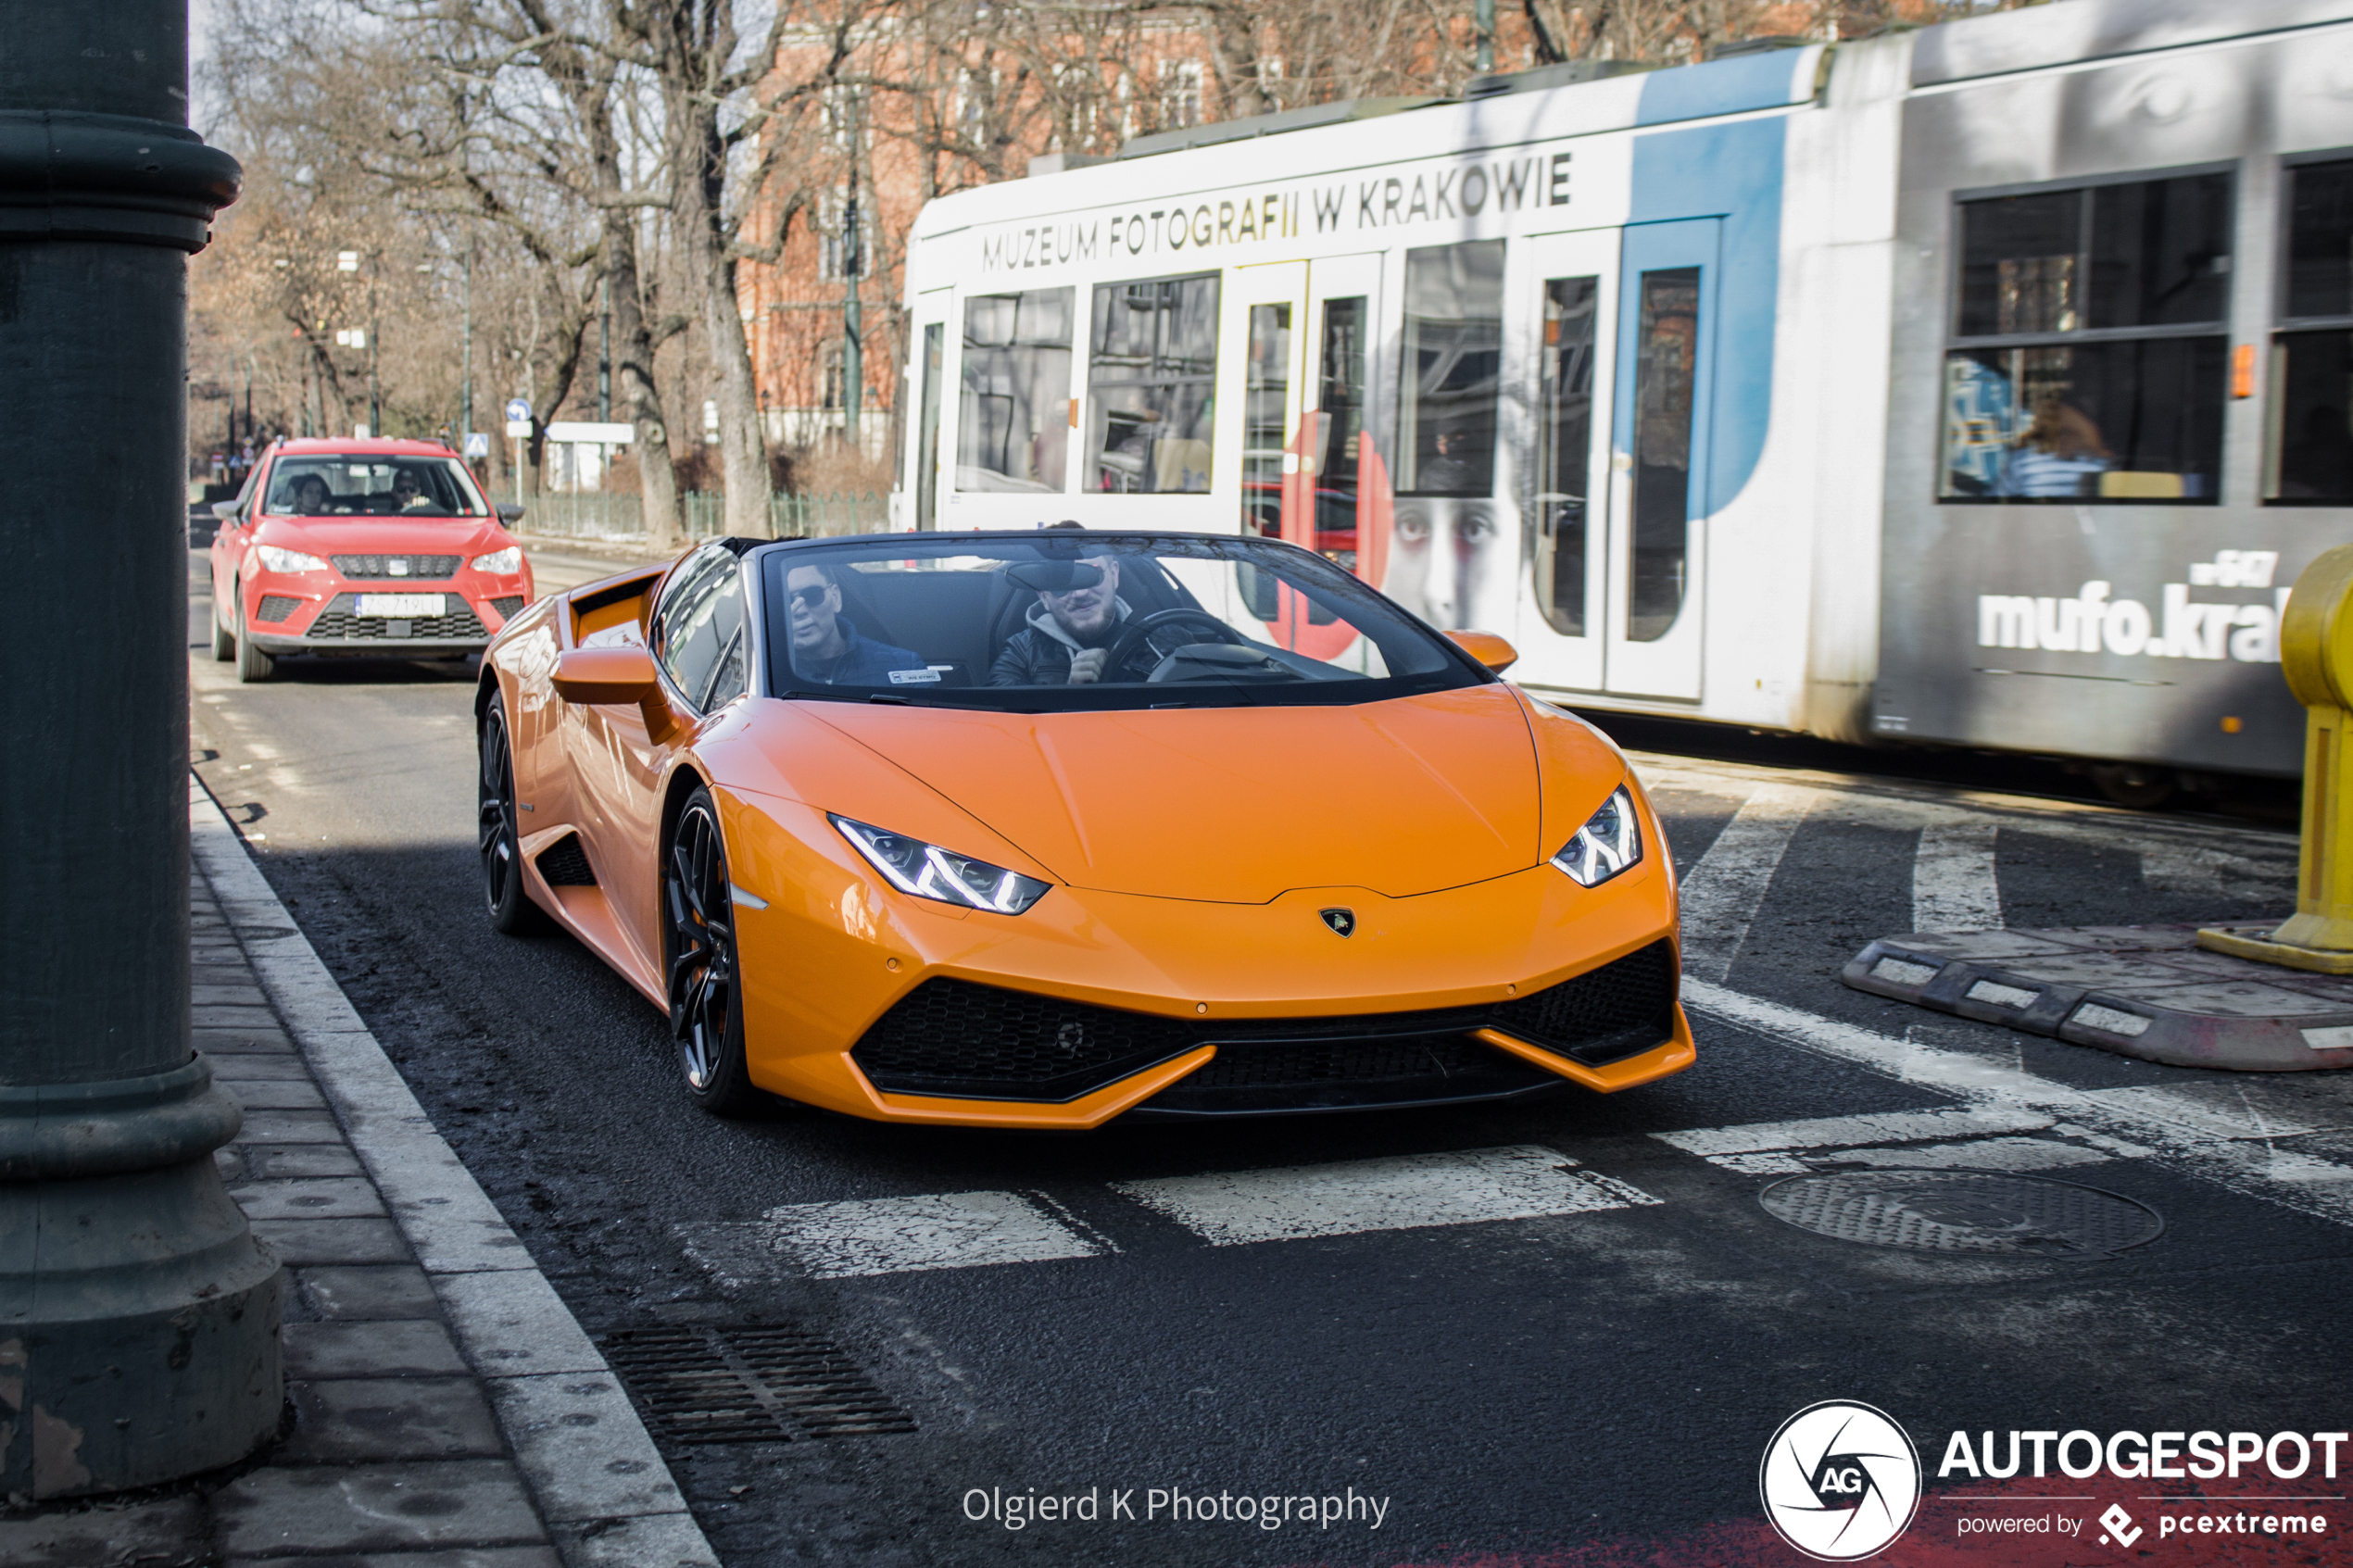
(1953, 882)
(1720, 893)
(1233, 1209)
(2196, 1134)
(887, 1235)
(1840, 1132)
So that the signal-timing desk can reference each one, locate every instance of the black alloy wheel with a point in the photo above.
(698, 952)
(512, 910)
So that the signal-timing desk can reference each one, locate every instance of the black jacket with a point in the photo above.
(1037, 656)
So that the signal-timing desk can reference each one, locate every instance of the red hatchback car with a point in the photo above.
(376, 547)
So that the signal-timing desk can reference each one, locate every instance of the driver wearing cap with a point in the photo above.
(1070, 629)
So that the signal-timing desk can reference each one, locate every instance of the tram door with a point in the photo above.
(930, 338)
(1568, 306)
(1310, 474)
(1663, 386)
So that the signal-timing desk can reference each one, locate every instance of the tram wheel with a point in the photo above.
(2141, 788)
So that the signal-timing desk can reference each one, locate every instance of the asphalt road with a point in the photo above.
(1595, 1383)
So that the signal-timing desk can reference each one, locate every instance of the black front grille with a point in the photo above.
(1289, 1075)
(275, 607)
(566, 864)
(341, 619)
(506, 605)
(958, 1040)
(427, 567)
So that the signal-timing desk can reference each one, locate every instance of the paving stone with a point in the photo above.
(413, 1347)
(362, 1419)
(396, 1291)
(274, 1161)
(276, 1094)
(165, 1533)
(236, 1040)
(256, 1067)
(300, 1242)
(463, 1556)
(248, 995)
(217, 1015)
(324, 1197)
(290, 1126)
(277, 1512)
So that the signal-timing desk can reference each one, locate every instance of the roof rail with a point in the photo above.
(1338, 113)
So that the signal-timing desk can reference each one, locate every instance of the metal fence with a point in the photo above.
(622, 518)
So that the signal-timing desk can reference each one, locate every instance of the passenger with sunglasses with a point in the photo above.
(827, 647)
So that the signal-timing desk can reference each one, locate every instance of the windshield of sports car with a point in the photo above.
(370, 485)
(1063, 620)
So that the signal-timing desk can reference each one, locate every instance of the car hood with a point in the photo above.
(466, 537)
(1236, 805)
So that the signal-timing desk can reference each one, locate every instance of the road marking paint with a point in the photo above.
(2221, 1111)
(1234, 1208)
(894, 1235)
(1840, 1132)
(2243, 1164)
(1721, 893)
(1953, 883)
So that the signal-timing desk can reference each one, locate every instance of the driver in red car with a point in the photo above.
(1070, 629)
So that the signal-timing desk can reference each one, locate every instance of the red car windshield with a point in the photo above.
(370, 485)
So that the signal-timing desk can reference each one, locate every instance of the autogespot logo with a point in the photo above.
(1840, 1481)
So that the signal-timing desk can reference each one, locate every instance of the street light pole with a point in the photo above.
(138, 1317)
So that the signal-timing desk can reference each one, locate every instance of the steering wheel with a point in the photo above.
(1140, 630)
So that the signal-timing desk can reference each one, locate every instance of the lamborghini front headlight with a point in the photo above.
(928, 871)
(1610, 842)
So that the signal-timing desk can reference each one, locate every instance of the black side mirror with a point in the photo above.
(509, 511)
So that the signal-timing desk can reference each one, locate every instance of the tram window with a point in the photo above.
(2035, 410)
(1449, 383)
(2309, 449)
(1341, 429)
(1266, 393)
(1151, 377)
(1665, 375)
(2160, 252)
(1565, 429)
(2319, 267)
(1012, 431)
(2019, 264)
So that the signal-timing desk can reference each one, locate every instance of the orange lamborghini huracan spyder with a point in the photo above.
(1039, 830)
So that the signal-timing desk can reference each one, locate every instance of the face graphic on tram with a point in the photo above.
(1450, 562)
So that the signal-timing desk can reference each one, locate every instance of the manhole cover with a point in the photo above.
(760, 1384)
(1963, 1211)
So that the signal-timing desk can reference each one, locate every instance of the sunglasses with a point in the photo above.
(813, 597)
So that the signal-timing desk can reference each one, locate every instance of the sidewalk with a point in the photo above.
(444, 1409)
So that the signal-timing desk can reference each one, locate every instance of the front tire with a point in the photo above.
(252, 663)
(512, 910)
(699, 956)
(224, 647)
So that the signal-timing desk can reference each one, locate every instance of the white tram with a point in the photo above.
(1984, 384)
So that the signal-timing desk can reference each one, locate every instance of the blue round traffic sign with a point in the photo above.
(518, 408)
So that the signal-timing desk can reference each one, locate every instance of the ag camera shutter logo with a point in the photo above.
(1840, 1481)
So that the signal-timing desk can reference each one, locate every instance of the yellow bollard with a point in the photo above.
(2316, 651)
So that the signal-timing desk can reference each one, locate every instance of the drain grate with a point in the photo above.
(1964, 1211)
(754, 1384)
